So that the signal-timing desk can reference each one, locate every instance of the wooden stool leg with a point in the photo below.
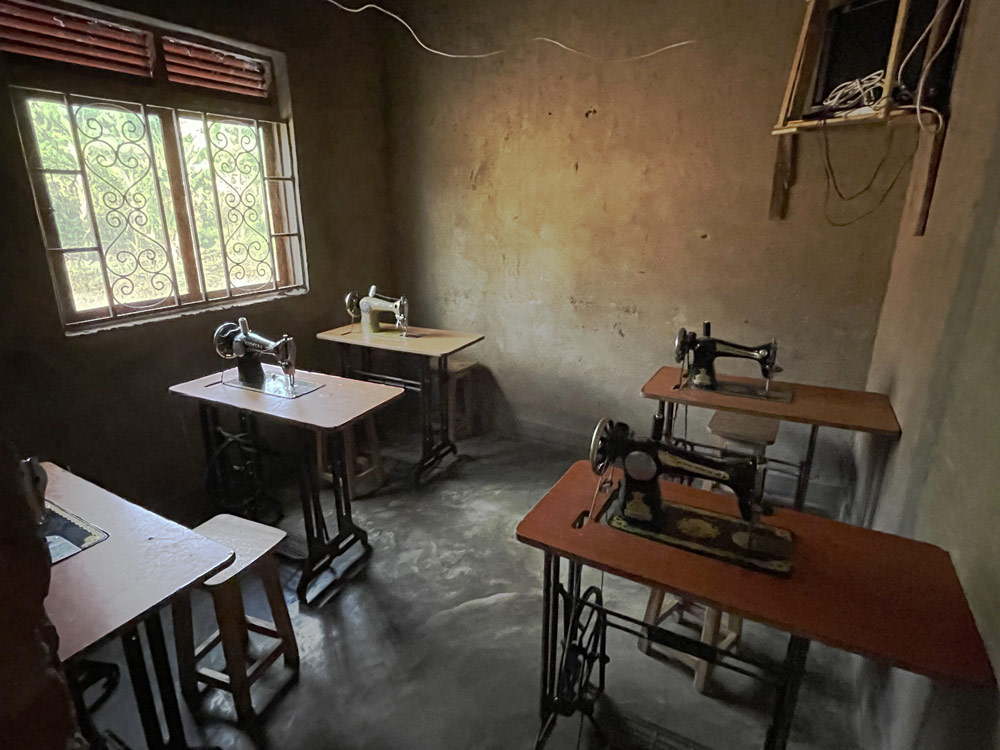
(350, 459)
(653, 606)
(710, 635)
(734, 624)
(184, 643)
(374, 449)
(279, 611)
(233, 629)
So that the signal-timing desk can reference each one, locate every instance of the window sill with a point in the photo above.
(85, 329)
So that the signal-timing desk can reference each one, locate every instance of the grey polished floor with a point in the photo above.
(435, 645)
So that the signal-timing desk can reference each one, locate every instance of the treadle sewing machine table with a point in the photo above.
(892, 599)
(324, 412)
(426, 344)
(111, 588)
(818, 406)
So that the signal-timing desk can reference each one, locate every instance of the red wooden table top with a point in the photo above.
(862, 411)
(892, 599)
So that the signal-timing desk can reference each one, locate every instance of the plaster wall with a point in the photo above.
(99, 402)
(579, 212)
(937, 353)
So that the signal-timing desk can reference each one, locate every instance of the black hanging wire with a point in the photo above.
(831, 178)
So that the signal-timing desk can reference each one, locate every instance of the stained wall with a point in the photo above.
(579, 212)
(937, 353)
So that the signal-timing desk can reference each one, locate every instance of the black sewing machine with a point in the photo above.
(698, 355)
(237, 341)
(638, 507)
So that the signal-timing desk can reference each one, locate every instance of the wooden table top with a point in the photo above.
(145, 561)
(337, 404)
(429, 342)
(892, 599)
(861, 411)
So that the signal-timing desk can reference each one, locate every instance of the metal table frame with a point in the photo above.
(322, 549)
(436, 440)
(787, 679)
(145, 698)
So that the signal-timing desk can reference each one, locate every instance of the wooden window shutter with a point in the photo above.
(198, 65)
(39, 31)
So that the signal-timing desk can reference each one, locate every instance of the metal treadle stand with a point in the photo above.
(322, 549)
(436, 441)
(567, 685)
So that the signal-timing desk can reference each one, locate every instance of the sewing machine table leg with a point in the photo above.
(784, 706)
(436, 440)
(145, 700)
(550, 645)
(323, 551)
(805, 469)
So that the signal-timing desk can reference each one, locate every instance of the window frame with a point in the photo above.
(39, 76)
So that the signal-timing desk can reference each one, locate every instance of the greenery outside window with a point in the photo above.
(149, 207)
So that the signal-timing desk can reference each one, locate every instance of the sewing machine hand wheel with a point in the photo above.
(223, 340)
(351, 303)
(599, 457)
(682, 344)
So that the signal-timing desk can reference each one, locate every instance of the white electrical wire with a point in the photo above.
(857, 93)
(850, 96)
(921, 84)
(492, 53)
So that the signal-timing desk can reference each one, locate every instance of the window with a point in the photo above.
(149, 207)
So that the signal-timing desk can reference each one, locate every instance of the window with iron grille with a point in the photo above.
(148, 206)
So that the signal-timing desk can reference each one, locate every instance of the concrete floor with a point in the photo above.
(435, 645)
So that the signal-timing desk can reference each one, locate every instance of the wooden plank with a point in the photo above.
(808, 58)
(340, 401)
(895, 50)
(784, 174)
(894, 600)
(927, 177)
(805, 36)
(429, 342)
(145, 561)
(862, 411)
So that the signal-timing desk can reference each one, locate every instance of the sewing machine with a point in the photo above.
(698, 355)
(638, 507)
(237, 341)
(369, 307)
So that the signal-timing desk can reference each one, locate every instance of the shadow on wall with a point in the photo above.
(922, 714)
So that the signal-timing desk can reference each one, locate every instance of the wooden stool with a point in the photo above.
(740, 433)
(253, 544)
(712, 632)
(744, 433)
(362, 458)
(461, 399)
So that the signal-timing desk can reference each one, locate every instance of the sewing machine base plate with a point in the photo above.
(277, 385)
(744, 390)
(715, 535)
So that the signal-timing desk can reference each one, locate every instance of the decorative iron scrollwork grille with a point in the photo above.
(147, 209)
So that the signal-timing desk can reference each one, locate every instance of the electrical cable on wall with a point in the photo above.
(492, 53)
(850, 96)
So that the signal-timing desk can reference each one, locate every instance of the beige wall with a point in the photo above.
(937, 353)
(99, 402)
(578, 213)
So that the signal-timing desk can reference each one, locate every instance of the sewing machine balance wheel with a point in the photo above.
(681, 345)
(223, 339)
(599, 457)
(351, 304)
